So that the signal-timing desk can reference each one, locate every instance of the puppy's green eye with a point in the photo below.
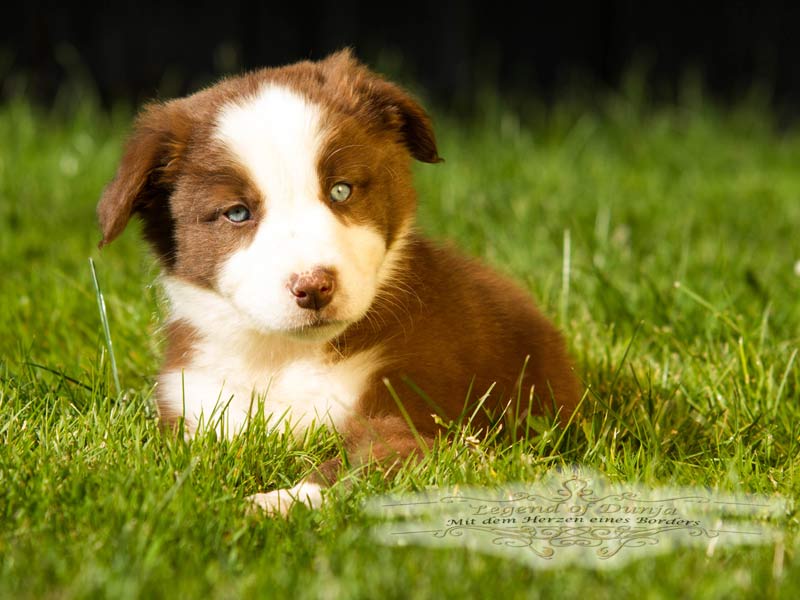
(341, 192)
(238, 214)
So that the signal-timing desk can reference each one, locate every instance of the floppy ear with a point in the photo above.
(392, 105)
(402, 112)
(146, 176)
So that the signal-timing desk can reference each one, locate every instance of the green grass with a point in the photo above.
(681, 307)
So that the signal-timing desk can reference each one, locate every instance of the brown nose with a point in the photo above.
(313, 289)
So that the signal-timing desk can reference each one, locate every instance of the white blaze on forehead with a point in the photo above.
(277, 135)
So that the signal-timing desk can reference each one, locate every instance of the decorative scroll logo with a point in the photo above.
(576, 516)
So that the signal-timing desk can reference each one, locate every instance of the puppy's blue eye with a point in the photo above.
(340, 192)
(238, 214)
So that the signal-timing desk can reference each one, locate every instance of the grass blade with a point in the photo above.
(101, 305)
(565, 276)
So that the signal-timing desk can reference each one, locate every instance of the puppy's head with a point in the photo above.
(285, 193)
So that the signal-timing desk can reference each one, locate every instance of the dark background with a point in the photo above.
(139, 50)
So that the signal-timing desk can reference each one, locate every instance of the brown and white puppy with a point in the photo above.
(281, 206)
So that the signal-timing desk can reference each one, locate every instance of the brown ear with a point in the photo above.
(146, 175)
(393, 105)
(401, 111)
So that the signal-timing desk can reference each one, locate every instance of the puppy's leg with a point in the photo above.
(386, 442)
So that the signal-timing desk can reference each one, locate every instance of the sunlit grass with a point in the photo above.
(682, 313)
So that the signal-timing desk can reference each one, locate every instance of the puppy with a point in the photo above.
(281, 207)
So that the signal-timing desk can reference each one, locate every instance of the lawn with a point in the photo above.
(662, 239)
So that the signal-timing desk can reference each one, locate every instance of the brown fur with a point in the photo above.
(450, 320)
(181, 338)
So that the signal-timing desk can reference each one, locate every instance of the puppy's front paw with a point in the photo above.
(272, 503)
(278, 502)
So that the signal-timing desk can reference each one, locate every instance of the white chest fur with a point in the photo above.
(234, 372)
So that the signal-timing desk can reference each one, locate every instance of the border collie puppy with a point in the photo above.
(281, 207)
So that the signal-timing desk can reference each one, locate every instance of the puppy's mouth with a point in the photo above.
(317, 328)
